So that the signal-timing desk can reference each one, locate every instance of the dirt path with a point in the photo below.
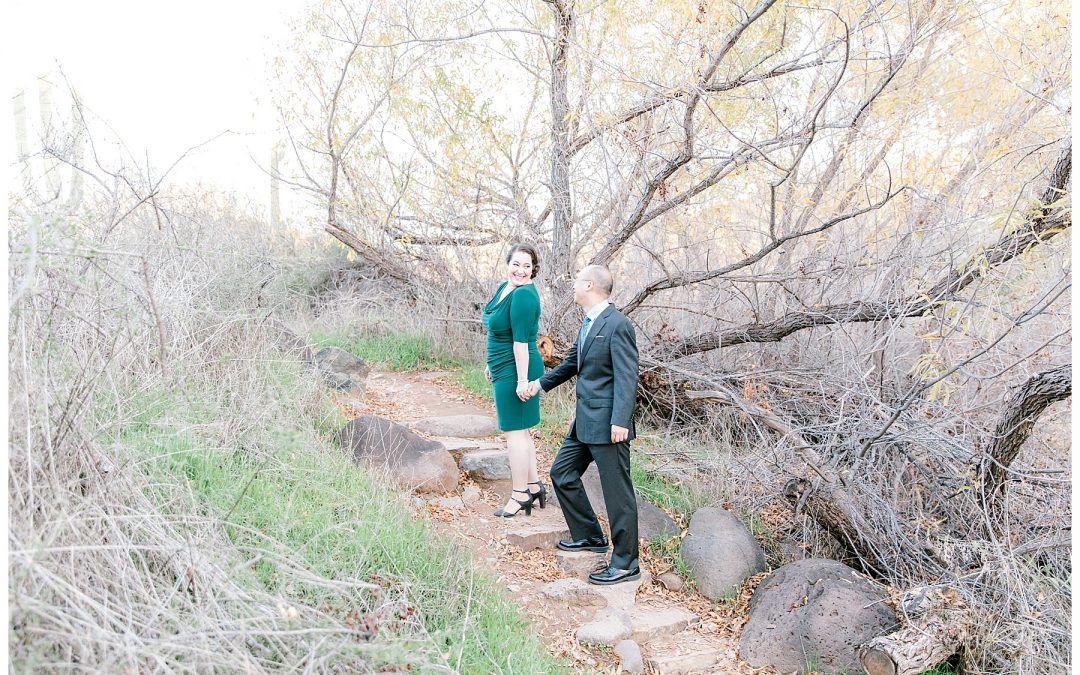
(678, 632)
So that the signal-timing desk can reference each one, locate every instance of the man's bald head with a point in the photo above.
(599, 276)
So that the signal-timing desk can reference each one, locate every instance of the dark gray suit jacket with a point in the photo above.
(607, 380)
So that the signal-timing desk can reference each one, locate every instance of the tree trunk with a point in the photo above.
(561, 206)
(824, 496)
(276, 151)
(1024, 407)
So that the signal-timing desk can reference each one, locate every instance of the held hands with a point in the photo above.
(526, 390)
(619, 434)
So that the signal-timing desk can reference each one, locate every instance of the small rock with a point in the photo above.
(458, 426)
(486, 464)
(574, 592)
(672, 582)
(630, 657)
(608, 627)
(470, 496)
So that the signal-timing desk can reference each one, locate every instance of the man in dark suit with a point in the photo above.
(605, 360)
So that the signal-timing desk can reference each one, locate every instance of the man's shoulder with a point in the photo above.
(617, 318)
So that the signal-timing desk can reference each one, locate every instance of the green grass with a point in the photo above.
(669, 551)
(406, 351)
(662, 491)
(289, 492)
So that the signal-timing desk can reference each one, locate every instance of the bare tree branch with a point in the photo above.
(1022, 410)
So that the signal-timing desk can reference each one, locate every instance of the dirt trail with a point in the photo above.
(506, 547)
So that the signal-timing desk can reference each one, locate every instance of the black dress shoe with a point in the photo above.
(614, 575)
(595, 544)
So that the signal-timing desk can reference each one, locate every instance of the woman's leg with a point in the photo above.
(534, 477)
(518, 445)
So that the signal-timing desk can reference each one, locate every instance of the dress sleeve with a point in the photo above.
(524, 316)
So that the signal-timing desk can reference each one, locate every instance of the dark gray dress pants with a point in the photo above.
(613, 464)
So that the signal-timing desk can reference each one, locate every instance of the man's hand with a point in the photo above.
(523, 391)
(619, 434)
(534, 388)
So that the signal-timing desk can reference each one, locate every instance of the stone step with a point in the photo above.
(579, 563)
(457, 447)
(682, 664)
(651, 623)
(457, 426)
(538, 536)
(486, 464)
(622, 595)
(574, 592)
(609, 627)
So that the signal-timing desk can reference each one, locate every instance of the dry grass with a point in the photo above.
(177, 502)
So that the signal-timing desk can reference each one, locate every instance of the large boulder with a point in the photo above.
(812, 615)
(341, 370)
(720, 552)
(653, 523)
(416, 463)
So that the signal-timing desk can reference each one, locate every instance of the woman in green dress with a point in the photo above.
(511, 319)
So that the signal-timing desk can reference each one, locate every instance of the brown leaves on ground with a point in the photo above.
(728, 616)
(537, 565)
(373, 403)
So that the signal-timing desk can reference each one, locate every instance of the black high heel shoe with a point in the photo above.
(540, 494)
(526, 506)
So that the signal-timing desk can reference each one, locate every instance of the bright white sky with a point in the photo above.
(166, 76)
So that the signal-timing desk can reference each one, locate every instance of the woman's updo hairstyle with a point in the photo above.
(526, 248)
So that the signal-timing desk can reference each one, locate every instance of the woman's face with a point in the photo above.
(519, 270)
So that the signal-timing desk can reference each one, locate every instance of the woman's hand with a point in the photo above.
(487, 374)
(523, 391)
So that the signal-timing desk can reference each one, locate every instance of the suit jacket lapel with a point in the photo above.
(594, 330)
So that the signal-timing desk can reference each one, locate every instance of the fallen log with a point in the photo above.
(935, 625)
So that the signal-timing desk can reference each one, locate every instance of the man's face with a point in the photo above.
(581, 287)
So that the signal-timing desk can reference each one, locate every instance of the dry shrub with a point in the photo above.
(110, 573)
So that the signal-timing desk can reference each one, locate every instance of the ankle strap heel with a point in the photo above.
(540, 495)
(526, 505)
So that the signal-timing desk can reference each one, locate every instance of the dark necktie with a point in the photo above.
(581, 337)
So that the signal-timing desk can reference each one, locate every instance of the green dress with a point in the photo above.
(515, 319)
